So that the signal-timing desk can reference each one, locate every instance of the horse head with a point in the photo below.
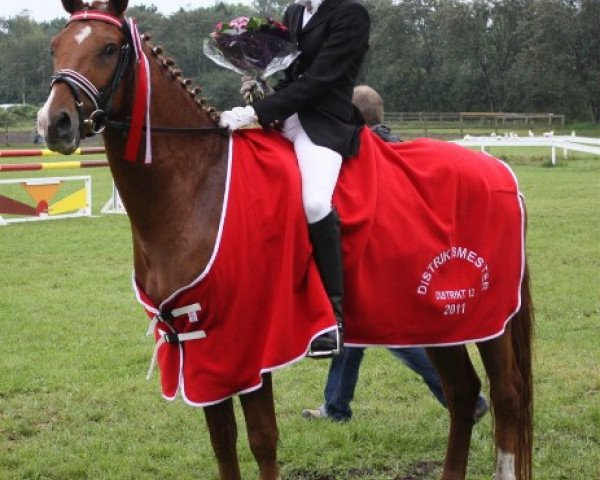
(90, 56)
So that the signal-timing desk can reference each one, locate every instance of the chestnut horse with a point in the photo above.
(174, 207)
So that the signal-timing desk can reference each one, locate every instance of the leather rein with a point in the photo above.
(103, 98)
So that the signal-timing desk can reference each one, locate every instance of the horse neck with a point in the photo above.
(174, 204)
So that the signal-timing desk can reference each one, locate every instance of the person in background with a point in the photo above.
(343, 371)
(370, 104)
(312, 106)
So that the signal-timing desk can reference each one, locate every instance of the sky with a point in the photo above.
(42, 10)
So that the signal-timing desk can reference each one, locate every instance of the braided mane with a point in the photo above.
(176, 74)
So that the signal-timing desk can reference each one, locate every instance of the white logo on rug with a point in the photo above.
(457, 293)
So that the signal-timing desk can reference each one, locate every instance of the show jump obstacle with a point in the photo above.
(34, 199)
(43, 200)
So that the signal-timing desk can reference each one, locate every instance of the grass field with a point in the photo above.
(74, 403)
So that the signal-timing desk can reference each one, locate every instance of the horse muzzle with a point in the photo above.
(64, 127)
(63, 132)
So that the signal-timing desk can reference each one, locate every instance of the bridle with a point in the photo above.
(103, 98)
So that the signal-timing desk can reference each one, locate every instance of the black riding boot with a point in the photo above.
(326, 239)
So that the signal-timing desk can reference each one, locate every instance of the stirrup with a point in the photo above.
(327, 352)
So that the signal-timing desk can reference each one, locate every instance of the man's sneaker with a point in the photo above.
(314, 414)
(481, 409)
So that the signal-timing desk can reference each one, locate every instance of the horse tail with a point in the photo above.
(522, 331)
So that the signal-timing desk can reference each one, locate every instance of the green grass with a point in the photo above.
(74, 403)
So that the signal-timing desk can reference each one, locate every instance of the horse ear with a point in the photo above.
(72, 6)
(118, 6)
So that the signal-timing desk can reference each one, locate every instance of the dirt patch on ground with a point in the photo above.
(414, 471)
(420, 470)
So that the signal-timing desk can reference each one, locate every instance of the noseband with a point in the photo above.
(78, 84)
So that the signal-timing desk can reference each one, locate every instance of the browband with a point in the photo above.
(94, 15)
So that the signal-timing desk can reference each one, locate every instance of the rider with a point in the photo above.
(312, 106)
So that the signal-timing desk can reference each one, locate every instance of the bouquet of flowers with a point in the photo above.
(251, 46)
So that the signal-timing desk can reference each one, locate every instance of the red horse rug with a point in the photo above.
(433, 242)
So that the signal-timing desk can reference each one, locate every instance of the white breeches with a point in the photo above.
(319, 170)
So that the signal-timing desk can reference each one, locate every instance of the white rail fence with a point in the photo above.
(565, 142)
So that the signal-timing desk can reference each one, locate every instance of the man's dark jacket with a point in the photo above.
(319, 84)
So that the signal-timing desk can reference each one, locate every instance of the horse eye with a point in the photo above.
(51, 51)
(110, 49)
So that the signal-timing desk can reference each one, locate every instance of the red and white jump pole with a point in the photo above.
(28, 167)
(45, 152)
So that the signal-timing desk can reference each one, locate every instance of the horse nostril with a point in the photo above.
(63, 124)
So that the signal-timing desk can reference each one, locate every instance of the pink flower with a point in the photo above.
(239, 23)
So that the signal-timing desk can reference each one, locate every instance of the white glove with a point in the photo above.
(254, 88)
(238, 117)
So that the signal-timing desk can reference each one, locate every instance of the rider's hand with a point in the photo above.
(238, 117)
(254, 88)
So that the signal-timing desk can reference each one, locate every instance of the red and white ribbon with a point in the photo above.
(140, 113)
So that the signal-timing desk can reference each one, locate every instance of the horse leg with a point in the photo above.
(504, 392)
(507, 361)
(259, 412)
(222, 427)
(461, 387)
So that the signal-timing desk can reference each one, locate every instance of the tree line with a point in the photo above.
(425, 55)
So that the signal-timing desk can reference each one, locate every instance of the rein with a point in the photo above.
(125, 126)
(103, 98)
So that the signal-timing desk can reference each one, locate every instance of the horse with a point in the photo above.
(174, 202)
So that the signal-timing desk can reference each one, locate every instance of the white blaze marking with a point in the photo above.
(83, 34)
(506, 466)
(43, 119)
